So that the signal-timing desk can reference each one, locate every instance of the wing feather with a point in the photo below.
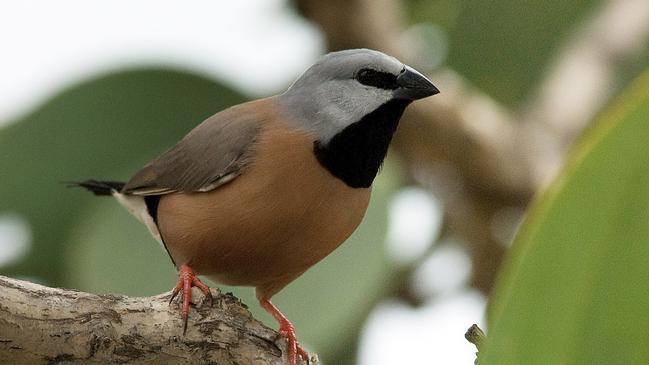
(209, 156)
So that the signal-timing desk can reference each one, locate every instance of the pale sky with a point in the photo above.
(258, 46)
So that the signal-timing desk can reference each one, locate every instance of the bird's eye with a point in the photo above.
(379, 79)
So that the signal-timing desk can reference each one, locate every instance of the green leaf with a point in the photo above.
(575, 287)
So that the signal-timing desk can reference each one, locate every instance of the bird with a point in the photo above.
(260, 192)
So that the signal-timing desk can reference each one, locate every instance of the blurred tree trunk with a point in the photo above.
(41, 325)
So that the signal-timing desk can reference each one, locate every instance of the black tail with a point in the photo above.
(100, 187)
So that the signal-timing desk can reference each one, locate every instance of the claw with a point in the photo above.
(175, 292)
(204, 288)
(184, 318)
(187, 279)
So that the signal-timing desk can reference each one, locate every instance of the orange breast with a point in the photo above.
(269, 225)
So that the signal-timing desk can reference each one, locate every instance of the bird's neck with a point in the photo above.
(356, 153)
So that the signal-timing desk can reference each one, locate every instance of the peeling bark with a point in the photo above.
(41, 325)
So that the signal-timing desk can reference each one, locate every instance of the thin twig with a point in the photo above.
(477, 337)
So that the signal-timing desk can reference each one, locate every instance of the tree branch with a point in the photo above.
(41, 325)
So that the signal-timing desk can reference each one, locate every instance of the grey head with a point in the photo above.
(343, 87)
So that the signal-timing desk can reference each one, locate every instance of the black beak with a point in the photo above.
(413, 85)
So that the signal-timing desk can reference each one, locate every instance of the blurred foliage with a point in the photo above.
(95, 129)
(575, 289)
(503, 46)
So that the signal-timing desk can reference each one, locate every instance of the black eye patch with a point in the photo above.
(379, 79)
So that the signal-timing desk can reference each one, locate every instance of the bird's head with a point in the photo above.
(342, 88)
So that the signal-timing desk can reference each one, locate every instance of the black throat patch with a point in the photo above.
(356, 154)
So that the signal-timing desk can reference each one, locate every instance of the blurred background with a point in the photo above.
(97, 89)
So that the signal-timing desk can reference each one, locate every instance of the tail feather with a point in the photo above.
(144, 208)
(100, 187)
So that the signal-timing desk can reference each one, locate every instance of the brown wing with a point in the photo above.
(210, 155)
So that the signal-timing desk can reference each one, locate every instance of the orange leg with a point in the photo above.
(286, 330)
(186, 279)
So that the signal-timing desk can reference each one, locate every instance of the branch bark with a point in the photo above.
(41, 325)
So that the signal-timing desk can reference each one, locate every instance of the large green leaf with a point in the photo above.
(575, 287)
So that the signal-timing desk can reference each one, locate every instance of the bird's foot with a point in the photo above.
(186, 280)
(287, 331)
